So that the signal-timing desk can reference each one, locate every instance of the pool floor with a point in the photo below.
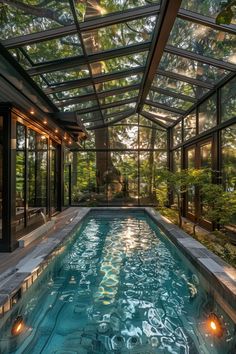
(120, 287)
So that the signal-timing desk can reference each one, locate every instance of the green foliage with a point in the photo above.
(226, 15)
(219, 206)
(179, 182)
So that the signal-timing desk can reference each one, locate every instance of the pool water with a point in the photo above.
(120, 287)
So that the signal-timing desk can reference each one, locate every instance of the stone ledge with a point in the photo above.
(33, 235)
(30, 267)
(220, 275)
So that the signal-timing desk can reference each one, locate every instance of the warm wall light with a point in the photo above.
(32, 111)
(18, 326)
(45, 121)
(65, 137)
(70, 142)
(214, 325)
(56, 130)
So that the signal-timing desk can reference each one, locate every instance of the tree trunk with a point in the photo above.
(106, 172)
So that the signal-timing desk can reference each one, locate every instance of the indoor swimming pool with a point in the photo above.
(119, 285)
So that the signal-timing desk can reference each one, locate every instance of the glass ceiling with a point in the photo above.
(109, 59)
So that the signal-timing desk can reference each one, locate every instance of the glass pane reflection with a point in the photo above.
(88, 9)
(178, 86)
(119, 35)
(190, 125)
(191, 68)
(209, 8)
(64, 47)
(203, 40)
(31, 16)
(169, 100)
(207, 114)
(228, 100)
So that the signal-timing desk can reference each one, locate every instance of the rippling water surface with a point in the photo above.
(121, 287)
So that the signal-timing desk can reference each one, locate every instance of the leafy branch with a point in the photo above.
(225, 16)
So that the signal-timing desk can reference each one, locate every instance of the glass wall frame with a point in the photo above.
(19, 215)
(222, 153)
(123, 171)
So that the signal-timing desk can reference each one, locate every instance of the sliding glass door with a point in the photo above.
(197, 156)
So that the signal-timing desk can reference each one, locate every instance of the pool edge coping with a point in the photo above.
(206, 262)
(31, 266)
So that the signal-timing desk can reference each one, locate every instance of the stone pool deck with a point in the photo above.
(19, 269)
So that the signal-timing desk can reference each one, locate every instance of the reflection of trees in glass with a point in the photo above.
(20, 165)
(127, 185)
(191, 68)
(228, 142)
(228, 100)
(190, 126)
(202, 40)
(177, 134)
(83, 176)
(207, 114)
(37, 170)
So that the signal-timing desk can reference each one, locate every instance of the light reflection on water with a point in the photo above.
(120, 288)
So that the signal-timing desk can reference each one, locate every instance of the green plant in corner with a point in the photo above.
(179, 182)
(218, 206)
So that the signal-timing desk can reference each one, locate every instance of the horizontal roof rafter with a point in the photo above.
(92, 96)
(80, 60)
(165, 107)
(97, 79)
(88, 25)
(153, 119)
(116, 120)
(173, 94)
(184, 78)
(205, 21)
(95, 108)
(201, 58)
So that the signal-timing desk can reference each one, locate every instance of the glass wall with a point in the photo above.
(120, 164)
(204, 118)
(37, 173)
(1, 171)
(177, 134)
(190, 126)
(207, 114)
(20, 177)
(228, 145)
(228, 100)
(32, 205)
(53, 177)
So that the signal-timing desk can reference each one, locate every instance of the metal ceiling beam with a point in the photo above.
(68, 63)
(92, 96)
(75, 100)
(201, 58)
(70, 116)
(156, 116)
(165, 107)
(205, 21)
(97, 79)
(33, 38)
(153, 119)
(88, 25)
(116, 120)
(165, 22)
(119, 17)
(173, 94)
(118, 103)
(184, 78)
